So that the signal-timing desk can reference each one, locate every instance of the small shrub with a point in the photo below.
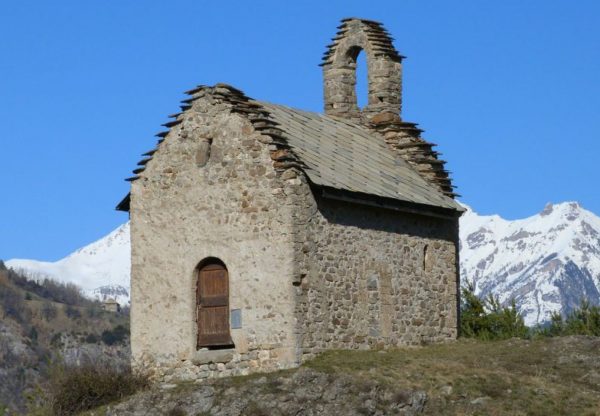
(28, 296)
(177, 411)
(72, 312)
(56, 340)
(49, 311)
(43, 354)
(12, 303)
(116, 336)
(33, 334)
(78, 388)
(487, 319)
(93, 310)
(92, 338)
(584, 320)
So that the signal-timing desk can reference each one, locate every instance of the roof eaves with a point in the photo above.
(389, 203)
(124, 204)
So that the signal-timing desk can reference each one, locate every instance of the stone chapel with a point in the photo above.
(262, 235)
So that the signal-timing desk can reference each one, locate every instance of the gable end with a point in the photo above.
(281, 153)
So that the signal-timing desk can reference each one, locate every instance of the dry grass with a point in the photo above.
(546, 376)
(76, 389)
(555, 376)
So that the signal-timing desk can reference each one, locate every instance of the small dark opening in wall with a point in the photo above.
(300, 280)
(425, 256)
(203, 152)
(221, 347)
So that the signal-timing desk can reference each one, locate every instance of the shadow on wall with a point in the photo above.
(388, 220)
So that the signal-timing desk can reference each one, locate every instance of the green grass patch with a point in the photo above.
(542, 376)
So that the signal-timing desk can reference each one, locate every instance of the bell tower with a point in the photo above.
(383, 65)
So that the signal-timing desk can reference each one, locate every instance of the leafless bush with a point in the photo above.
(48, 288)
(49, 311)
(12, 303)
(73, 389)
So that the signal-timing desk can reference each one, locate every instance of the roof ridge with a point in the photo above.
(332, 152)
(376, 34)
(260, 118)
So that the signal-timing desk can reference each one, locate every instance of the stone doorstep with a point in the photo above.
(212, 356)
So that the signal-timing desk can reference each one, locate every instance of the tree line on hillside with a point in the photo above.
(47, 288)
(487, 319)
(42, 319)
(16, 289)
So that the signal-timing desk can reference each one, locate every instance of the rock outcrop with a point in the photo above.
(303, 392)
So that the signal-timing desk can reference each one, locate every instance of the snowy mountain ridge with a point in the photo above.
(547, 262)
(101, 268)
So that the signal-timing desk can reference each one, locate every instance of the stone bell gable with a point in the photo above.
(384, 65)
(263, 235)
(383, 111)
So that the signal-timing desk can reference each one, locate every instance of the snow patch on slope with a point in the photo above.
(546, 262)
(101, 269)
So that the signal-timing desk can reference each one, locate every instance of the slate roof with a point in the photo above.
(333, 152)
(343, 155)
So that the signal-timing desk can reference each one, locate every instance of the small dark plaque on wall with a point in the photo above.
(236, 318)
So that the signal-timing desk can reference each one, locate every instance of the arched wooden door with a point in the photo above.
(212, 306)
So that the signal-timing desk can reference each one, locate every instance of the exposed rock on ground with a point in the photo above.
(545, 376)
(303, 392)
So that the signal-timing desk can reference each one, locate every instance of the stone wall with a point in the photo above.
(308, 273)
(211, 191)
(372, 277)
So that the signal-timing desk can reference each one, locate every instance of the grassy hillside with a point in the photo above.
(47, 323)
(44, 324)
(545, 376)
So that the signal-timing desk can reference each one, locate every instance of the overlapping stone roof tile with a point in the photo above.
(333, 152)
(343, 155)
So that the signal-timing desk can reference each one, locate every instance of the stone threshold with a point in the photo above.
(224, 356)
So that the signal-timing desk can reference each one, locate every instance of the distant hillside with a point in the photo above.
(50, 322)
(547, 262)
(101, 268)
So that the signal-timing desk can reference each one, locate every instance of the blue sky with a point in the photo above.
(509, 90)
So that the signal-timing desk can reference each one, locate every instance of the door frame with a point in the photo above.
(217, 342)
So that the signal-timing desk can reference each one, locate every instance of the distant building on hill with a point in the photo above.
(262, 235)
(111, 305)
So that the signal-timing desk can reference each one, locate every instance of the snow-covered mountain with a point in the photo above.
(547, 262)
(101, 269)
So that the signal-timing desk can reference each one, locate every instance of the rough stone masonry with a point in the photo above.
(278, 233)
